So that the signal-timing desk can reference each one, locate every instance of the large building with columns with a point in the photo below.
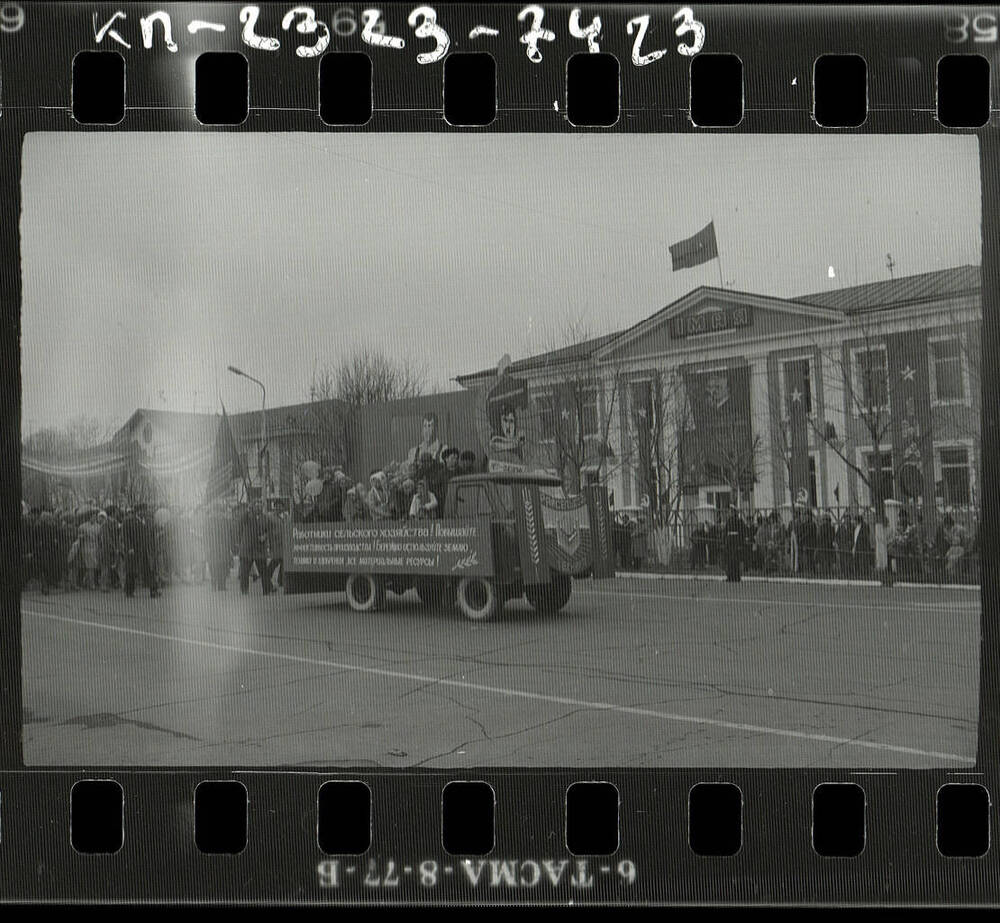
(837, 399)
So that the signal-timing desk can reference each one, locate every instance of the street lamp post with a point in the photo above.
(263, 428)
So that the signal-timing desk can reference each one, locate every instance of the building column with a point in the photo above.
(760, 428)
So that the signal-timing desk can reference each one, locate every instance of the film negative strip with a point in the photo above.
(499, 454)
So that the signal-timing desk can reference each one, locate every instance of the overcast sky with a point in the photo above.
(151, 262)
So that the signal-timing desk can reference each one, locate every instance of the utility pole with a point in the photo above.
(890, 264)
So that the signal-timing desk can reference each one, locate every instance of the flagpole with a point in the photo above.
(718, 259)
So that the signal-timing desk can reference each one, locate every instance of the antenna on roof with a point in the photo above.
(889, 264)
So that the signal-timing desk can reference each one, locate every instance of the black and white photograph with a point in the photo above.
(515, 450)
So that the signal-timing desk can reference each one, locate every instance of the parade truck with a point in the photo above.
(502, 536)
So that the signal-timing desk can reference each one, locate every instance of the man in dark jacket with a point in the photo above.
(733, 539)
(251, 546)
(825, 541)
(329, 503)
(139, 548)
(844, 542)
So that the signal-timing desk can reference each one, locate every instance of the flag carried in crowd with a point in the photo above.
(227, 465)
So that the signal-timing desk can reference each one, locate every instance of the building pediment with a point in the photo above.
(715, 316)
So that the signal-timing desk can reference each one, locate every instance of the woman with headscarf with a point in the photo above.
(378, 496)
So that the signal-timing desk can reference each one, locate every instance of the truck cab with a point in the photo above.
(541, 540)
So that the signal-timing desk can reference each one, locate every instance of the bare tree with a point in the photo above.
(738, 462)
(61, 443)
(577, 406)
(318, 433)
(860, 384)
(657, 419)
(368, 375)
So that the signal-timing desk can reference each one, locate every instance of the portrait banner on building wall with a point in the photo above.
(720, 448)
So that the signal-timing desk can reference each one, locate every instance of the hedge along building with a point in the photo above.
(843, 398)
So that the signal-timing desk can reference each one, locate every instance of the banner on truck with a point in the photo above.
(431, 547)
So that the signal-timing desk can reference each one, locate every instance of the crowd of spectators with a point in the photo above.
(826, 544)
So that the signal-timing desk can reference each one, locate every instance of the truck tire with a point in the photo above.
(550, 597)
(365, 593)
(429, 590)
(477, 598)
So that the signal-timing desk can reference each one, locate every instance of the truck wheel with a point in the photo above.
(551, 597)
(429, 590)
(477, 598)
(365, 593)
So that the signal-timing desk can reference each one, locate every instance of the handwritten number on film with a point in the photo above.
(309, 25)
(423, 20)
(11, 17)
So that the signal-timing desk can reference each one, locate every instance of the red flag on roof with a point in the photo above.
(695, 250)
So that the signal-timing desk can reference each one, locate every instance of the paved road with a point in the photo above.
(634, 672)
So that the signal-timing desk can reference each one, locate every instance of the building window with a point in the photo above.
(879, 468)
(590, 418)
(643, 412)
(873, 379)
(955, 475)
(720, 499)
(812, 482)
(947, 358)
(546, 415)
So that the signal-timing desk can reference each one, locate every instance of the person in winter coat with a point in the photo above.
(48, 549)
(862, 548)
(139, 549)
(733, 540)
(251, 546)
(275, 528)
(107, 549)
(826, 553)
